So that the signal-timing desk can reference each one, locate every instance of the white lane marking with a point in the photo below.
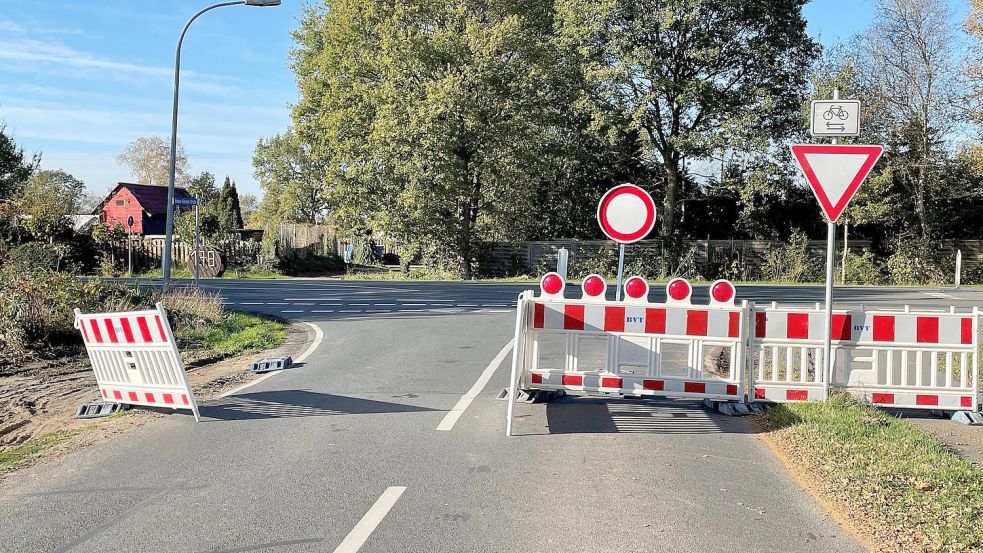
(318, 338)
(940, 295)
(322, 310)
(311, 299)
(361, 532)
(253, 303)
(276, 303)
(291, 311)
(450, 419)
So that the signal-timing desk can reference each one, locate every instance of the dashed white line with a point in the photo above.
(450, 419)
(361, 532)
(291, 311)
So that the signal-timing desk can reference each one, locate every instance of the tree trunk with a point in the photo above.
(673, 181)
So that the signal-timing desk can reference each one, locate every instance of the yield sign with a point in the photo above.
(835, 172)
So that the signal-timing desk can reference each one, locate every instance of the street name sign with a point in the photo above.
(835, 118)
(835, 172)
(626, 213)
(186, 202)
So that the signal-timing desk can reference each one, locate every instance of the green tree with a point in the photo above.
(228, 211)
(293, 182)
(15, 167)
(695, 76)
(202, 186)
(47, 201)
(443, 122)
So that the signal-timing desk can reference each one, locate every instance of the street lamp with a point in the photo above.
(169, 227)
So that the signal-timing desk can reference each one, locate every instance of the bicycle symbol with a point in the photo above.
(838, 111)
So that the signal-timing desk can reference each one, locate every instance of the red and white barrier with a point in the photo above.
(135, 359)
(633, 347)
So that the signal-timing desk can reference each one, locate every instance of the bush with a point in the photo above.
(792, 262)
(864, 269)
(35, 255)
(917, 262)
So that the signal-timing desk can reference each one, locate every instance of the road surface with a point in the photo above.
(373, 444)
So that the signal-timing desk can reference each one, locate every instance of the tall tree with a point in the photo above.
(47, 201)
(229, 213)
(913, 73)
(15, 167)
(294, 188)
(695, 76)
(202, 186)
(148, 158)
(439, 121)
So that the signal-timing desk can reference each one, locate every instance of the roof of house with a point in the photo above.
(152, 198)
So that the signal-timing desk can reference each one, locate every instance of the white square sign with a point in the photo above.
(835, 118)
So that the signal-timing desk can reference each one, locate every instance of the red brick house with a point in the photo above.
(145, 203)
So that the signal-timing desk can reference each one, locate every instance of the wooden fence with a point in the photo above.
(147, 253)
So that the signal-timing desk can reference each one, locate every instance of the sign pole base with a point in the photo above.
(827, 340)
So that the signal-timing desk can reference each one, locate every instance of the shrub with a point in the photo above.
(792, 262)
(916, 261)
(864, 269)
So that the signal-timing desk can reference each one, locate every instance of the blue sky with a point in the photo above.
(79, 80)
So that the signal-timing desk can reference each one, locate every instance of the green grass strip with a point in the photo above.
(17, 456)
(238, 333)
(888, 467)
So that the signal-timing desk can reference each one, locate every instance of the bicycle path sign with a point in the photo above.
(835, 118)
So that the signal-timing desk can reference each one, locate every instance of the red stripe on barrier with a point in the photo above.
(160, 327)
(184, 398)
(85, 335)
(695, 387)
(966, 401)
(614, 319)
(573, 317)
(104, 395)
(117, 394)
(967, 331)
(884, 399)
(657, 385)
(760, 322)
(840, 328)
(759, 393)
(610, 382)
(110, 331)
(696, 323)
(539, 315)
(168, 399)
(928, 330)
(922, 399)
(797, 325)
(150, 397)
(536, 378)
(573, 380)
(883, 328)
(95, 331)
(655, 321)
(797, 395)
(734, 325)
(133, 396)
(144, 329)
(732, 389)
(127, 331)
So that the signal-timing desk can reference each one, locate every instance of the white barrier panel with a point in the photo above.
(135, 359)
(920, 360)
(631, 347)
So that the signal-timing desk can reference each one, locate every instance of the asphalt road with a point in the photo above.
(343, 453)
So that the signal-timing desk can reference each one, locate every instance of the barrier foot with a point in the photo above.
(533, 396)
(99, 409)
(734, 408)
(972, 418)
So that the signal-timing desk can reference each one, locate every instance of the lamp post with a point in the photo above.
(169, 227)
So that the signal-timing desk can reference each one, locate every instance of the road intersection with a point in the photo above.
(389, 436)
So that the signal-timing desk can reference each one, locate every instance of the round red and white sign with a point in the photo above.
(626, 213)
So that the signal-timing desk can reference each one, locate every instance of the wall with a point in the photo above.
(113, 214)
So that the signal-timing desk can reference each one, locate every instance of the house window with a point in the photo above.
(119, 202)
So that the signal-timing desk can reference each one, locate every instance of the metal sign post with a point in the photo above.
(834, 173)
(626, 214)
(197, 246)
(129, 246)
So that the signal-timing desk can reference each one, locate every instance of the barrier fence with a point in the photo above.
(135, 359)
(729, 352)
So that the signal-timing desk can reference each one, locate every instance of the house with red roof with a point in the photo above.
(147, 204)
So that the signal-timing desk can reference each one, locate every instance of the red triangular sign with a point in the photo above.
(835, 172)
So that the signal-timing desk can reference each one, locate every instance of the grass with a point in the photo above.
(17, 456)
(901, 479)
(238, 333)
(233, 272)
